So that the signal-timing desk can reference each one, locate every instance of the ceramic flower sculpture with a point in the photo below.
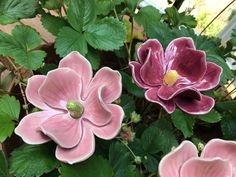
(177, 76)
(216, 160)
(75, 107)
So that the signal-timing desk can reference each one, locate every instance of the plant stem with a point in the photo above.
(130, 150)
(177, 4)
(24, 98)
(64, 8)
(131, 41)
(217, 16)
(12, 64)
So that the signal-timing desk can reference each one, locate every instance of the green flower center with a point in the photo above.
(75, 108)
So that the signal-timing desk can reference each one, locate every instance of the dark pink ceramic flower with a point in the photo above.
(217, 160)
(176, 76)
(74, 106)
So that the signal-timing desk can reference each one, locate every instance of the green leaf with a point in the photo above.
(93, 58)
(121, 160)
(31, 60)
(229, 106)
(33, 160)
(52, 23)
(10, 107)
(212, 117)
(8, 45)
(20, 46)
(150, 13)
(106, 34)
(128, 104)
(46, 68)
(105, 6)
(28, 37)
(13, 10)
(228, 122)
(9, 112)
(227, 73)
(161, 32)
(6, 126)
(177, 19)
(150, 163)
(154, 139)
(131, 87)
(184, 122)
(81, 13)
(52, 4)
(3, 166)
(188, 20)
(94, 166)
(172, 15)
(132, 5)
(228, 126)
(69, 40)
(233, 37)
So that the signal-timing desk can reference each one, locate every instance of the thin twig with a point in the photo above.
(127, 148)
(13, 65)
(64, 8)
(24, 98)
(217, 16)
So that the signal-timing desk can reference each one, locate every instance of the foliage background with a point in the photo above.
(108, 33)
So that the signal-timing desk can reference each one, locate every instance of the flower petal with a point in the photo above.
(60, 86)
(80, 65)
(63, 129)
(190, 94)
(168, 92)
(190, 64)
(177, 46)
(95, 110)
(195, 107)
(151, 95)
(171, 164)
(144, 49)
(81, 152)
(135, 68)
(111, 82)
(32, 91)
(225, 150)
(198, 167)
(211, 79)
(28, 128)
(111, 129)
(151, 57)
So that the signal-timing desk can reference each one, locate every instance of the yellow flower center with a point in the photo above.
(170, 77)
(75, 108)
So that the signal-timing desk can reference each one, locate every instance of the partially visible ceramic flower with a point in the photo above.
(74, 106)
(177, 76)
(217, 160)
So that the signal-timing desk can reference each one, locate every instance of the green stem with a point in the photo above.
(217, 16)
(131, 42)
(130, 150)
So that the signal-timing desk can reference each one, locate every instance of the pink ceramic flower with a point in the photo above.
(74, 106)
(177, 76)
(218, 159)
